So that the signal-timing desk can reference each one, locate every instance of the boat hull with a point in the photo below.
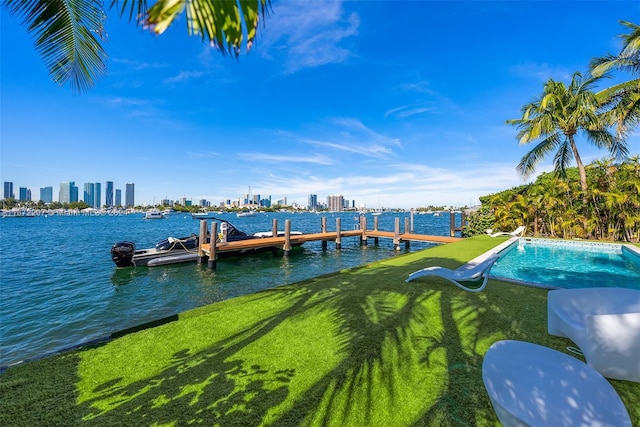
(174, 251)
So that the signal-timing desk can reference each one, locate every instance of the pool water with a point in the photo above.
(562, 264)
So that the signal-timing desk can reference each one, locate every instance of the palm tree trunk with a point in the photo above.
(583, 183)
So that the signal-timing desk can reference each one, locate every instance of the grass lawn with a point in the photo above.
(356, 348)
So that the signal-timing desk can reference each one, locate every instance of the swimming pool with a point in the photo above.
(567, 264)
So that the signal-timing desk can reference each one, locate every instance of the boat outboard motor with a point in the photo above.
(122, 253)
(233, 234)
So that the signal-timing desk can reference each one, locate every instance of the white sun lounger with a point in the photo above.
(515, 233)
(604, 323)
(532, 385)
(466, 273)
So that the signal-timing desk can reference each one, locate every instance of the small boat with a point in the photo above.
(203, 215)
(184, 249)
(246, 213)
(153, 214)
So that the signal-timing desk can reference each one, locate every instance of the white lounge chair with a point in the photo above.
(532, 385)
(604, 323)
(515, 233)
(466, 273)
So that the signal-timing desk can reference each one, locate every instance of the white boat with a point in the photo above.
(184, 249)
(153, 214)
(246, 213)
(203, 215)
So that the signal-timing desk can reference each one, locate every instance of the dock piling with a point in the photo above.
(287, 237)
(407, 243)
(202, 240)
(213, 253)
(363, 228)
(396, 235)
(324, 230)
(411, 216)
(338, 234)
(274, 227)
(375, 228)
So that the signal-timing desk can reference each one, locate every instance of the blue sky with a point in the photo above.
(388, 103)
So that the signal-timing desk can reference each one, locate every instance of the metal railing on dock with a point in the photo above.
(287, 240)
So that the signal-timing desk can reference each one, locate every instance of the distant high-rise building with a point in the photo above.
(89, 193)
(312, 204)
(68, 192)
(108, 194)
(335, 203)
(8, 190)
(97, 195)
(129, 195)
(46, 194)
(118, 201)
(24, 195)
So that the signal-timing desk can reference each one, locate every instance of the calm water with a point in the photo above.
(569, 265)
(60, 288)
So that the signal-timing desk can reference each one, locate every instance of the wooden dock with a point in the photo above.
(286, 241)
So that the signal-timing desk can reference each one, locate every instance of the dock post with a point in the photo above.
(396, 235)
(452, 224)
(411, 216)
(407, 243)
(338, 234)
(324, 230)
(202, 239)
(287, 236)
(375, 228)
(213, 252)
(274, 227)
(363, 228)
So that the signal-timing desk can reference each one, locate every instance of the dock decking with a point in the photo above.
(288, 240)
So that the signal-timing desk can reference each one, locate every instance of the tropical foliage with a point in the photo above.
(622, 101)
(555, 120)
(553, 206)
(70, 35)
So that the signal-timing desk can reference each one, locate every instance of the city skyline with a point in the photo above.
(392, 103)
(92, 195)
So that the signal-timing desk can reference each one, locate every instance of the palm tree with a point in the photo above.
(70, 34)
(622, 101)
(556, 119)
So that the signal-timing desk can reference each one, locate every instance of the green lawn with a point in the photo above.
(356, 348)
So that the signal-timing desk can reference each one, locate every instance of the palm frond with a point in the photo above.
(562, 159)
(68, 36)
(137, 10)
(629, 57)
(529, 161)
(224, 23)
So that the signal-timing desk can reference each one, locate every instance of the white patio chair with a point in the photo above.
(604, 323)
(532, 385)
(466, 273)
(515, 233)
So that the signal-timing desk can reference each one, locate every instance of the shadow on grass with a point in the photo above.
(392, 354)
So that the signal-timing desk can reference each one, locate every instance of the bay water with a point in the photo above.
(59, 287)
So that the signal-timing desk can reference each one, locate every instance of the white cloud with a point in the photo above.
(541, 72)
(183, 76)
(309, 37)
(315, 158)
